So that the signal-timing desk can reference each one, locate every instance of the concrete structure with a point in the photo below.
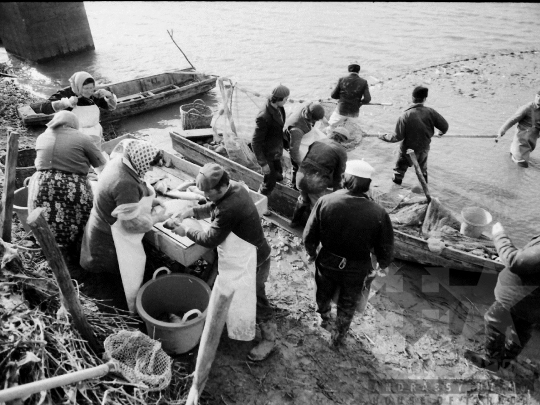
(40, 31)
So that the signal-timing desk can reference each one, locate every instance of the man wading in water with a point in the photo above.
(528, 119)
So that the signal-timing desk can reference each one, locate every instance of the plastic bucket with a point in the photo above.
(20, 206)
(173, 294)
(475, 220)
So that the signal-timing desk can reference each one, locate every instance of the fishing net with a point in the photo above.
(139, 359)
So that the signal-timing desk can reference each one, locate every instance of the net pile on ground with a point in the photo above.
(38, 341)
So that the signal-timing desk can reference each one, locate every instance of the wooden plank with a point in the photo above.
(282, 199)
(9, 185)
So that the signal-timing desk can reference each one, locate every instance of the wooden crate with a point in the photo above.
(179, 248)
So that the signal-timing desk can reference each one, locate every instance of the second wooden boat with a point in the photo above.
(408, 245)
(140, 95)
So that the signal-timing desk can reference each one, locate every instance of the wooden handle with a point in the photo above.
(218, 308)
(37, 386)
(419, 174)
(9, 185)
(37, 222)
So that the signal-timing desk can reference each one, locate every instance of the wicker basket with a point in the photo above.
(25, 165)
(196, 115)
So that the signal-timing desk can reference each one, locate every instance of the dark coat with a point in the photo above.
(267, 140)
(352, 91)
(350, 226)
(46, 107)
(416, 127)
(520, 278)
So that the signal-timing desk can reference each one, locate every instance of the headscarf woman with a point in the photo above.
(63, 158)
(82, 98)
(121, 215)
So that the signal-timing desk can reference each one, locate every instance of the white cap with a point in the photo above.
(359, 168)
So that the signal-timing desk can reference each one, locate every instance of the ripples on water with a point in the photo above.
(307, 46)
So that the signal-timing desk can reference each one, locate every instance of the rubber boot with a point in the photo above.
(299, 209)
(268, 343)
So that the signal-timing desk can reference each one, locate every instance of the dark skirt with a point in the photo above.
(66, 199)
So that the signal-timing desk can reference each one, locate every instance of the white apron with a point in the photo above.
(130, 254)
(237, 265)
(89, 120)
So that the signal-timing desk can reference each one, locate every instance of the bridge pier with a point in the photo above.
(41, 31)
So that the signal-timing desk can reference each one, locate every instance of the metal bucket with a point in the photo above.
(173, 293)
(20, 206)
(475, 220)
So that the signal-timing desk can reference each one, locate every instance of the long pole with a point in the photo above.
(9, 185)
(40, 228)
(171, 35)
(445, 136)
(419, 174)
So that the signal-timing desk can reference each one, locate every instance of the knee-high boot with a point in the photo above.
(299, 209)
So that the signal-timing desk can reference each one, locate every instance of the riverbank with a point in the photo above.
(419, 320)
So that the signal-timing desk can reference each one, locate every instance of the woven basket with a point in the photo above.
(196, 115)
(25, 165)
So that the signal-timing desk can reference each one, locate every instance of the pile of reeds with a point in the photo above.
(38, 341)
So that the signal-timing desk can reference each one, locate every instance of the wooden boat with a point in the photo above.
(140, 95)
(408, 247)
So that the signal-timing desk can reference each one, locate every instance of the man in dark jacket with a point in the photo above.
(267, 140)
(320, 170)
(236, 229)
(527, 118)
(349, 226)
(296, 126)
(415, 128)
(351, 92)
(516, 306)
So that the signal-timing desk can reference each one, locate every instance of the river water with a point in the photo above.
(307, 46)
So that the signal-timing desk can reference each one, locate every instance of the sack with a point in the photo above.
(314, 135)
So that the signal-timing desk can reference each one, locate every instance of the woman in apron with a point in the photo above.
(82, 98)
(63, 157)
(122, 213)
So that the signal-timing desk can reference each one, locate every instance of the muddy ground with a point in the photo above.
(408, 347)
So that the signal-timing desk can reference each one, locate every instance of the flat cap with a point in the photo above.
(209, 175)
(281, 91)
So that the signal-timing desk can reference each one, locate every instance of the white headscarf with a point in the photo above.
(76, 81)
(66, 118)
(140, 154)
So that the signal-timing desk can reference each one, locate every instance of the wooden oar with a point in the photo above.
(6, 75)
(331, 100)
(171, 35)
(419, 174)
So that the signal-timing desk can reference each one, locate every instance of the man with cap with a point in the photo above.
(243, 252)
(351, 92)
(415, 128)
(296, 126)
(321, 169)
(349, 226)
(267, 140)
(527, 118)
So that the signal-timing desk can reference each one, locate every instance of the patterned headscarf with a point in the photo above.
(66, 118)
(140, 154)
(76, 81)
